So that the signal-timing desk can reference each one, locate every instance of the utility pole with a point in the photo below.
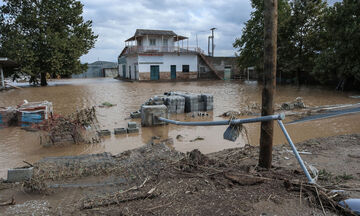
(212, 41)
(268, 93)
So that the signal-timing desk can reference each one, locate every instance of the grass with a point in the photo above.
(108, 104)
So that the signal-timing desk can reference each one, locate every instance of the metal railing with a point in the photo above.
(231, 123)
(152, 49)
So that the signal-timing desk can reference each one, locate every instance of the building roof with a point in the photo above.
(6, 62)
(144, 32)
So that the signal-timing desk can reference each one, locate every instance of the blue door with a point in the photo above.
(124, 71)
(154, 72)
(173, 71)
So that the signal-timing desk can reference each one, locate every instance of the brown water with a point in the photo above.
(17, 145)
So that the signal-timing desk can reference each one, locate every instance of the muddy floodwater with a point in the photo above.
(67, 96)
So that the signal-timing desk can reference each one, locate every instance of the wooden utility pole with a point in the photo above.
(268, 93)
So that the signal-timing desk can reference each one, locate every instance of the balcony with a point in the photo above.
(160, 49)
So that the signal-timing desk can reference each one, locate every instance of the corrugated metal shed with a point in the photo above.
(95, 69)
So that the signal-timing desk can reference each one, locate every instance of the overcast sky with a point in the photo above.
(116, 20)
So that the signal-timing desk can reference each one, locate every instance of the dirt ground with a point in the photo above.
(157, 180)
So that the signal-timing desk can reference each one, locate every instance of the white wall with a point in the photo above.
(167, 60)
(146, 41)
(130, 62)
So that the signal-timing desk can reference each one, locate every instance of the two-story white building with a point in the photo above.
(158, 54)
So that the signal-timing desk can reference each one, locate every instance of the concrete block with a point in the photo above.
(148, 113)
(132, 125)
(136, 114)
(20, 174)
(133, 130)
(104, 133)
(120, 131)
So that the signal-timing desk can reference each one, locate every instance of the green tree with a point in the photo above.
(251, 43)
(306, 30)
(339, 61)
(299, 29)
(45, 36)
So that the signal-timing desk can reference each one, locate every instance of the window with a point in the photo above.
(152, 42)
(202, 69)
(165, 42)
(185, 68)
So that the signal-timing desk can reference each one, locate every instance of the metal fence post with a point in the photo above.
(296, 153)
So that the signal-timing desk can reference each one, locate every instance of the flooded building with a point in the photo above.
(161, 55)
(99, 69)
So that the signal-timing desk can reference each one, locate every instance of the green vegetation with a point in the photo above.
(46, 37)
(325, 175)
(317, 43)
(107, 104)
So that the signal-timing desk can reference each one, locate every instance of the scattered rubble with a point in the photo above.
(298, 103)
(79, 127)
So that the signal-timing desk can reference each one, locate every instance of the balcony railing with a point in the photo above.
(159, 49)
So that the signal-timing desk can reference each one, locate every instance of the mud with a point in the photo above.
(155, 179)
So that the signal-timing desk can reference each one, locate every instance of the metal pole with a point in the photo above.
(296, 153)
(212, 42)
(2, 77)
(270, 44)
(224, 122)
(209, 45)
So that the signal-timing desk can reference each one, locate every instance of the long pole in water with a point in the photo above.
(268, 92)
(296, 153)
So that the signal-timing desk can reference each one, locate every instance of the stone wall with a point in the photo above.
(167, 75)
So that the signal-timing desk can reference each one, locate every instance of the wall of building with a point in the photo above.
(131, 66)
(146, 41)
(164, 61)
(95, 69)
(110, 72)
(220, 63)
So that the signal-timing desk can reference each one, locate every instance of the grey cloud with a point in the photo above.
(115, 21)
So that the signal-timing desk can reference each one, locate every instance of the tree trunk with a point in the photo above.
(43, 81)
(268, 93)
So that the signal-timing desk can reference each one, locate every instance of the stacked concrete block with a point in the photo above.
(150, 112)
(175, 104)
(208, 102)
(120, 131)
(196, 102)
(132, 127)
(104, 133)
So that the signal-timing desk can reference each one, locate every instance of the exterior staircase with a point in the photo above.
(202, 56)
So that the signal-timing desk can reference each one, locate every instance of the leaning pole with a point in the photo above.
(268, 92)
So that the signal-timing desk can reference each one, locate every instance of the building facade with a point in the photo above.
(164, 55)
(158, 55)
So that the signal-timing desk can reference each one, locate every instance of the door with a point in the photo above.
(124, 71)
(227, 73)
(154, 72)
(173, 71)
